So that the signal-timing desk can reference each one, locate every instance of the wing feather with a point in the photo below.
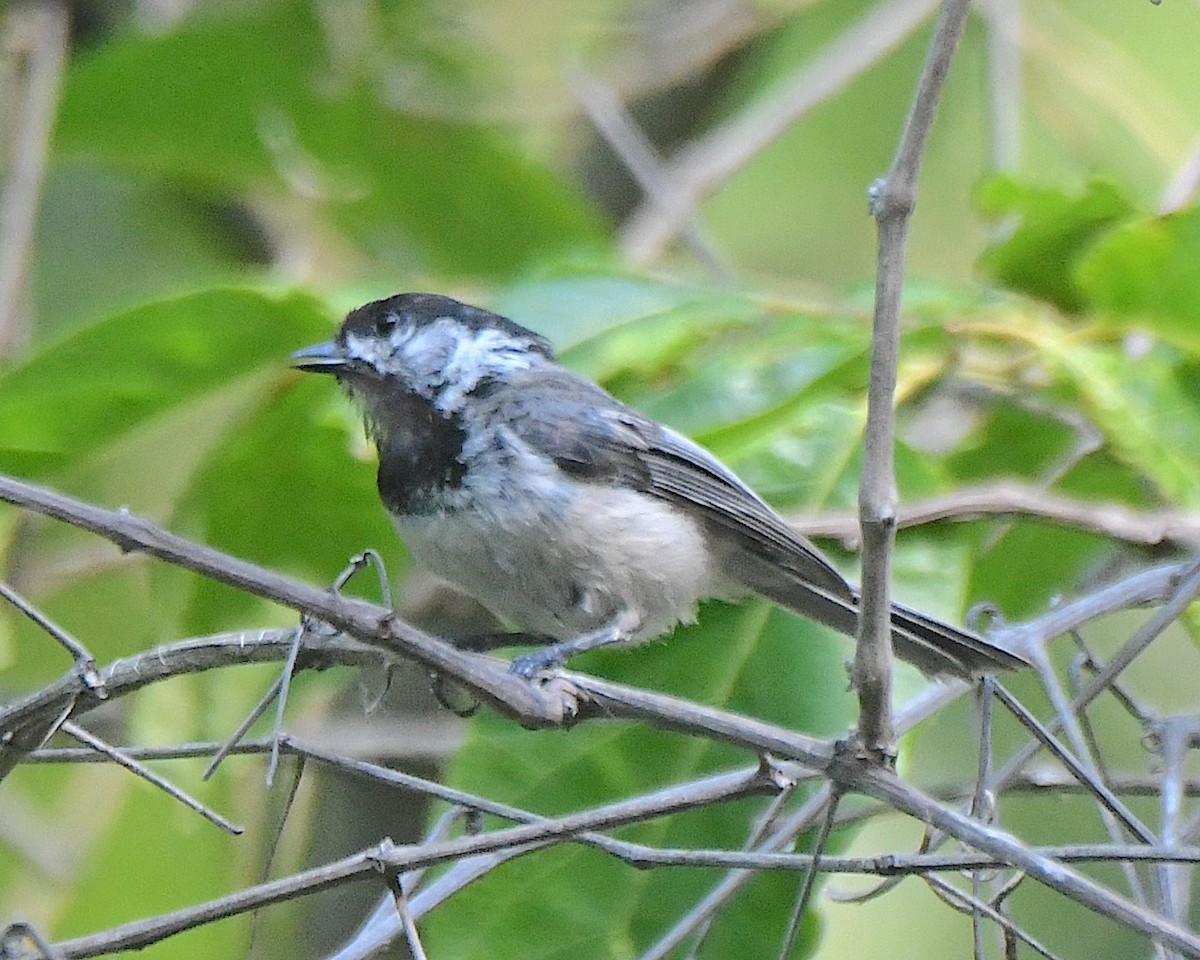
(613, 443)
(610, 443)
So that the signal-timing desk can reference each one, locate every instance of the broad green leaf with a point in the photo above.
(1022, 566)
(1054, 231)
(185, 410)
(287, 492)
(1011, 440)
(109, 241)
(1148, 419)
(98, 383)
(572, 306)
(151, 882)
(1147, 274)
(264, 98)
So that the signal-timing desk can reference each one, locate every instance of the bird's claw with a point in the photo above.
(530, 665)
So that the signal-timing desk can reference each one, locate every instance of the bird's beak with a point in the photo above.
(321, 358)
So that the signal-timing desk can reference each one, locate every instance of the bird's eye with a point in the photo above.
(386, 323)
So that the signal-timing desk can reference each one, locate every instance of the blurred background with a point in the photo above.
(675, 192)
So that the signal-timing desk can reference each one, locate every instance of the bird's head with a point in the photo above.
(426, 347)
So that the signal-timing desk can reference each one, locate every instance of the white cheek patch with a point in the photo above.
(377, 352)
(465, 357)
(484, 354)
(443, 360)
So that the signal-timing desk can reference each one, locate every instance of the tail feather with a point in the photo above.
(937, 649)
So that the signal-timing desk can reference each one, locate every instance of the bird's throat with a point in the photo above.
(419, 458)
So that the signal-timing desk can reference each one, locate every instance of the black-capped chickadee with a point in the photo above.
(564, 512)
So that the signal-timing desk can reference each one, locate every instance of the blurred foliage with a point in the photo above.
(224, 185)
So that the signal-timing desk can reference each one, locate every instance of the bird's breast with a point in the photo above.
(562, 560)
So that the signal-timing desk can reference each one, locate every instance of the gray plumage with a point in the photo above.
(564, 511)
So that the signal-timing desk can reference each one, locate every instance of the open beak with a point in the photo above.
(321, 358)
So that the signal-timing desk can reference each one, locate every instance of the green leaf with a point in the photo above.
(99, 382)
(185, 410)
(1149, 419)
(1010, 440)
(264, 99)
(753, 659)
(287, 491)
(107, 242)
(1054, 231)
(1147, 273)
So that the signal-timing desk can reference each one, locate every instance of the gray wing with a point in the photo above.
(609, 442)
(783, 566)
(594, 437)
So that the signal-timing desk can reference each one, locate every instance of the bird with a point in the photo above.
(574, 519)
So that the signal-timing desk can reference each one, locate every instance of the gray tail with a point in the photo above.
(935, 648)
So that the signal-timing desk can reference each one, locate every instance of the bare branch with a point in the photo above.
(1149, 528)
(881, 783)
(122, 759)
(1184, 585)
(486, 677)
(892, 204)
(367, 863)
(967, 902)
(701, 167)
(1004, 81)
(593, 698)
(627, 141)
(1086, 778)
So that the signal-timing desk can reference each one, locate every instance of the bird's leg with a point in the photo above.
(621, 629)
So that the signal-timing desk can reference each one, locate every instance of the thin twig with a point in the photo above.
(1103, 795)
(596, 698)
(810, 876)
(235, 738)
(627, 141)
(84, 661)
(697, 919)
(289, 801)
(893, 200)
(1038, 780)
(488, 678)
(383, 924)
(983, 801)
(700, 168)
(785, 833)
(1004, 81)
(360, 561)
(968, 902)
(133, 766)
(1151, 528)
(285, 684)
(1184, 582)
(765, 822)
(1089, 768)
(880, 783)
(1175, 736)
(519, 839)
(35, 35)
(14, 933)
